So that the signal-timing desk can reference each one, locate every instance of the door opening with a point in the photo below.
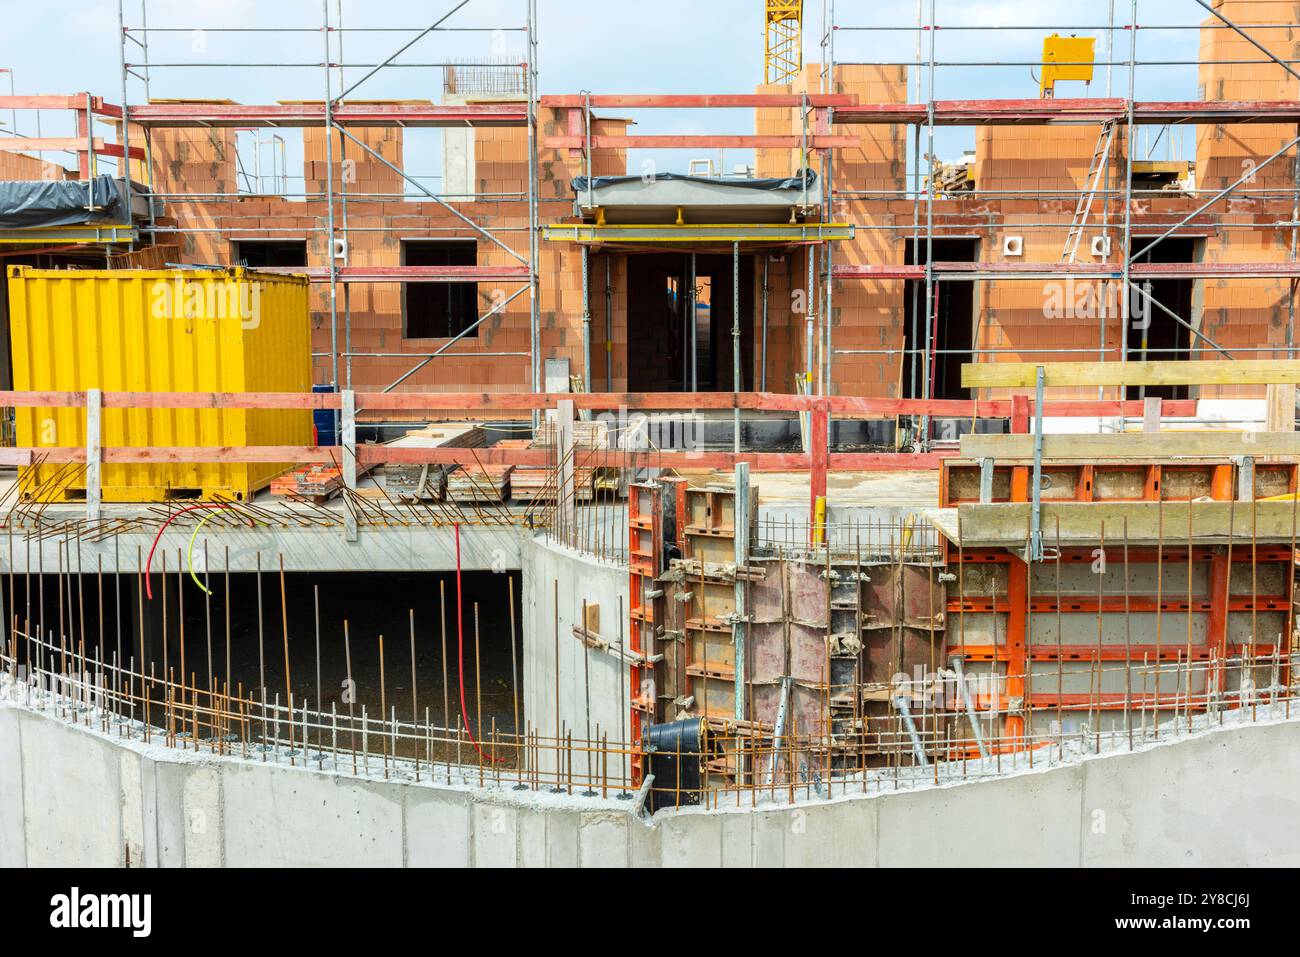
(667, 350)
(951, 324)
(1154, 335)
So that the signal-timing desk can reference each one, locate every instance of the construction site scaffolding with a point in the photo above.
(925, 113)
(335, 115)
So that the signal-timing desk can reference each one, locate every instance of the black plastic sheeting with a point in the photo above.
(776, 185)
(676, 753)
(42, 203)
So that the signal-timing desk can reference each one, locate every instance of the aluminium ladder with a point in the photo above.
(1096, 169)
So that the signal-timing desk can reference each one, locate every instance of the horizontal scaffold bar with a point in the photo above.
(180, 115)
(966, 271)
(701, 142)
(702, 101)
(1070, 111)
(359, 274)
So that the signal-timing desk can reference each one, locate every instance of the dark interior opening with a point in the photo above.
(273, 253)
(439, 310)
(952, 323)
(373, 605)
(1153, 334)
(659, 340)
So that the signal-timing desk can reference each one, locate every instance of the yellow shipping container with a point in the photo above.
(176, 330)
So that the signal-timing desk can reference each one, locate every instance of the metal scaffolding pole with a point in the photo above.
(586, 318)
(923, 439)
(736, 378)
(1126, 289)
(331, 249)
(534, 225)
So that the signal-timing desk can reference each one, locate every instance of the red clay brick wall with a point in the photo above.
(865, 315)
(1248, 312)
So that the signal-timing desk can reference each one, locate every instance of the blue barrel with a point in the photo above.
(323, 420)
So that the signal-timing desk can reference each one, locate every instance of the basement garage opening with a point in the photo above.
(336, 623)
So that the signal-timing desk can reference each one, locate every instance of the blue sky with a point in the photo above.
(669, 46)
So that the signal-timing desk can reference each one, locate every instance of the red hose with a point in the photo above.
(460, 659)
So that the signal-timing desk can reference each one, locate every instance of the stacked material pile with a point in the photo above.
(955, 177)
(319, 483)
(428, 482)
(483, 483)
(541, 485)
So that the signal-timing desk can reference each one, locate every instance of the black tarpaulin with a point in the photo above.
(42, 203)
(789, 183)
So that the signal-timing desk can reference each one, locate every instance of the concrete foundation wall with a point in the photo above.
(72, 797)
(579, 577)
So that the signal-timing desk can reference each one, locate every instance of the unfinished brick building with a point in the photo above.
(1052, 213)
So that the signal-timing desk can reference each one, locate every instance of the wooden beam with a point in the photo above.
(497, 402)
(1007, 525)
(1021, 375)
(1144, 446)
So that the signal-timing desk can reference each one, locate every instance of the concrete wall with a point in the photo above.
(72, 797)
(312, 549)
(578, 577)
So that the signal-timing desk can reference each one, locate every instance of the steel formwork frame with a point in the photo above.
(335, 115)
(927, 114)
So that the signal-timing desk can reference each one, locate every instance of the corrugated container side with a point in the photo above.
(162, 331)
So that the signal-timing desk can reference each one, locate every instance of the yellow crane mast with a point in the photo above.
(783, 41)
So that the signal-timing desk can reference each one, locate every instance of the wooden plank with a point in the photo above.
(839, 406)
(1281, 408)
(1081, 523)
(1021, 375)
(1144, 446)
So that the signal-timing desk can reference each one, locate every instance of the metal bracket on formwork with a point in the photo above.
(94, 452)
(741, 524)
(1245, 477)
(627, 656)
(348, 438)
(986, 481)
(1034, 549)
